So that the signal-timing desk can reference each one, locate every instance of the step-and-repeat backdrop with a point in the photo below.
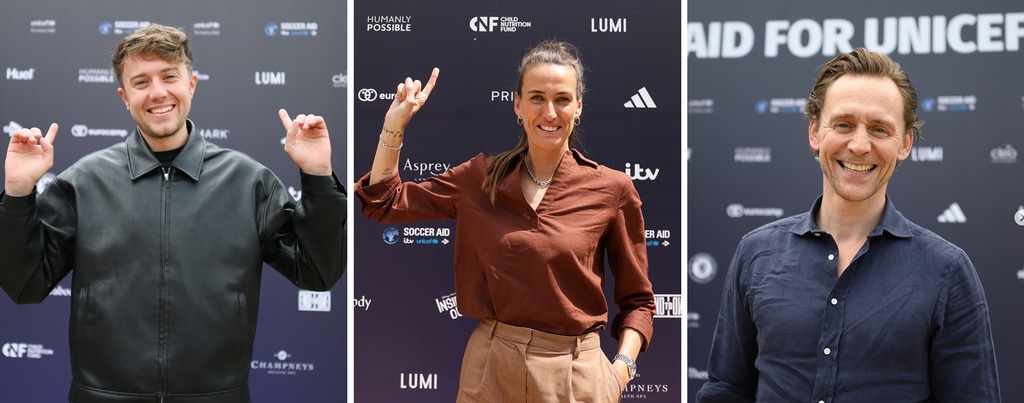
(751, 68)
(252, 58)
(409, 335)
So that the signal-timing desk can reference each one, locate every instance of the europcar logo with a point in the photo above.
(370, 95)
(390, 235)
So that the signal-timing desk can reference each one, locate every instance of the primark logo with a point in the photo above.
(20, 75)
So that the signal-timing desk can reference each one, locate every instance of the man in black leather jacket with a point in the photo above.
(167, 235)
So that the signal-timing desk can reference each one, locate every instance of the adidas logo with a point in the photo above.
(953, 214)
(642, 99)
(12, 127)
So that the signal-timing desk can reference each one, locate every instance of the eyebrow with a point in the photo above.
(846, 115)
(543, 92)
(164, 70)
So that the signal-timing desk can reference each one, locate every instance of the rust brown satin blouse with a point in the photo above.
(540, 269)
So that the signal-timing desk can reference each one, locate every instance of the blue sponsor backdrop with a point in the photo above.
(409, 337)
(750, 66)
(252, 58)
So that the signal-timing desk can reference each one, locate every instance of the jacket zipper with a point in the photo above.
(164, 257)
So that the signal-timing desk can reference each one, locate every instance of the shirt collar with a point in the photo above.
(892, 222)
(141, 159)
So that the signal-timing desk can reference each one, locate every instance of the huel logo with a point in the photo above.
(21, 75)
(638, 173)
(270, 78)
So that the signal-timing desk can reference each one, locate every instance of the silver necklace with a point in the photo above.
(539, 182)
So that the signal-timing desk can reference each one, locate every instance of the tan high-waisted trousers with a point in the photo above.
(508, 364)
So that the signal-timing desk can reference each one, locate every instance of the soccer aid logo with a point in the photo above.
(390, 235)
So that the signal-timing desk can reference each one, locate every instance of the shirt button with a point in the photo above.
(817, 234)
(835, 301)
(831, 256)
(828, 351)
(821, 401)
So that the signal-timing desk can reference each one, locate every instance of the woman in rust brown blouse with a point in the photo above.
(533, 227)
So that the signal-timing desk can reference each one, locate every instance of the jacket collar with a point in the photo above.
(141, 159)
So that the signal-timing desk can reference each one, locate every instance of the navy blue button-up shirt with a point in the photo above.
(906, 322)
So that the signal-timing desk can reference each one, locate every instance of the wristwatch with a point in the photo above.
(630, 364)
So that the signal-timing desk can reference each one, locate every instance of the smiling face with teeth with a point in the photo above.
(548, 106)
(158, 94)
(860, 137)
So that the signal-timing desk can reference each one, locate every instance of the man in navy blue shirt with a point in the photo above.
(852, 302)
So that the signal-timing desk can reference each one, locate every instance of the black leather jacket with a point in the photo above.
(167, 265)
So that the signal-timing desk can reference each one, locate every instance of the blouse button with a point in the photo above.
(835, 301)
(831, 256)
(828, 351)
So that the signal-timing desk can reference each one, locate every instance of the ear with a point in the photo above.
(192, 83)
(812, 135)
(516, 101)
(124, 96)
(906, 145)
(579, 107)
